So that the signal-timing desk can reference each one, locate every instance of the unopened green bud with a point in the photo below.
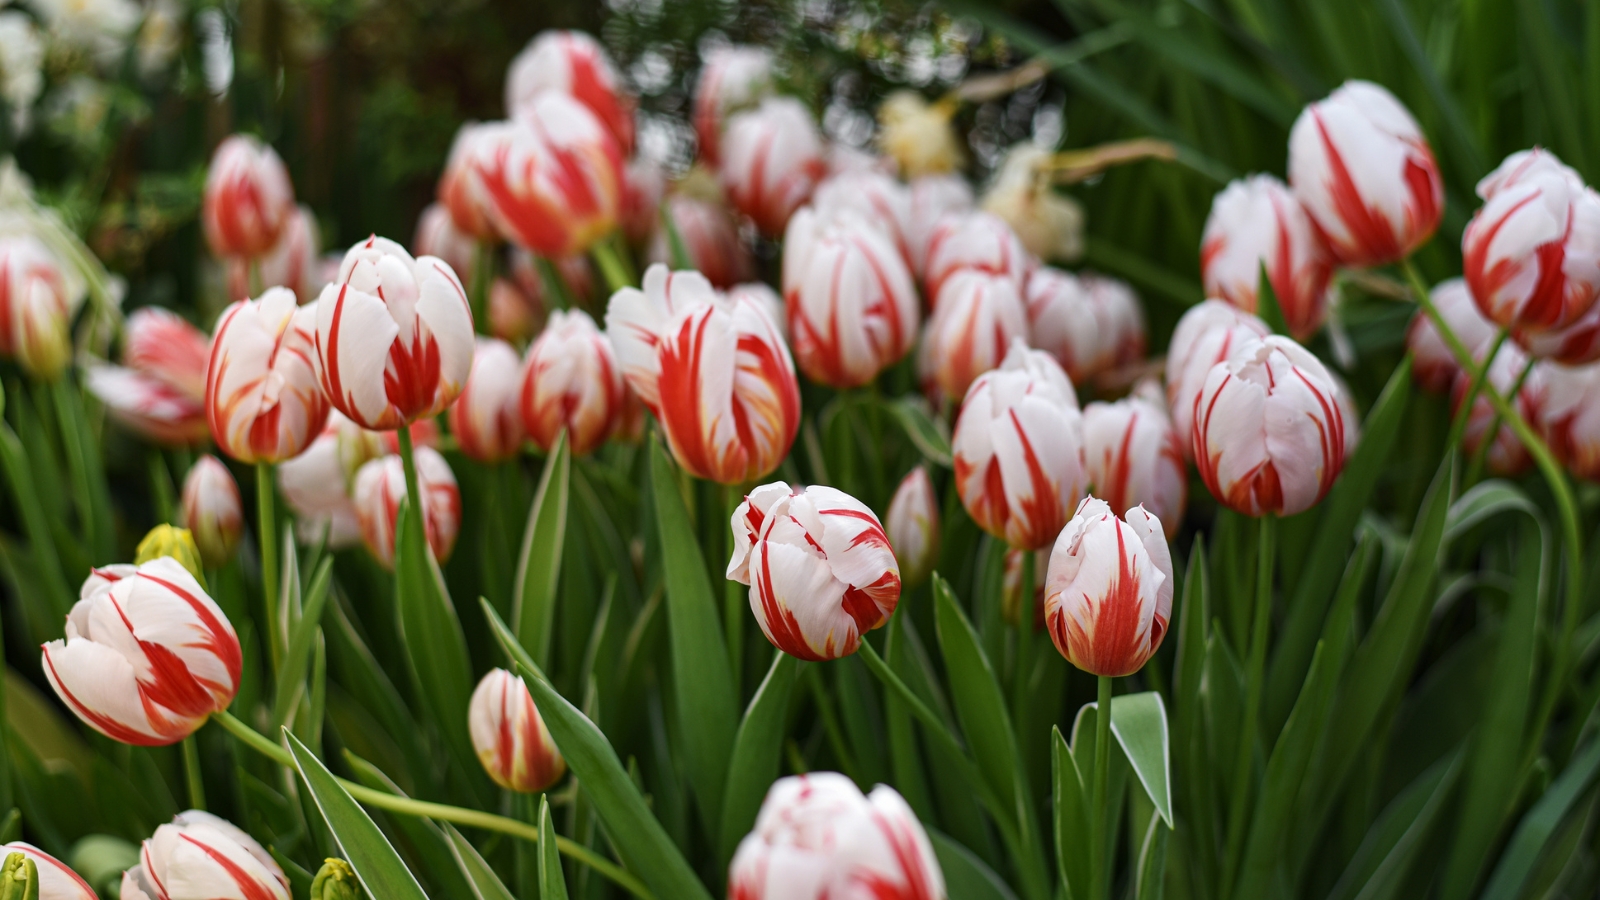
(334, 881)
(178, 543)
(19, 878)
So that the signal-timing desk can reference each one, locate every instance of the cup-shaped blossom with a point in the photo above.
(852, 305)
(1108, 590)
(56, 879)
(1018, 449)
(212, 510)
(248, 198)
(770, 161)
(710, 237)
(1206, 335)
(1269, 429)
(1577, 344)
(818, 837)
(461, 191)
(713, 369)
(1258, 222)
(978, 317)
(570, 380)
(732, 78)
(263, 401)
(1134, 456)
(977, 241)
(39, 295)
(484, 419)
(380, 487)
(875, 196)
(198, 856)
(1433, 366)
(512, 741)
(917, 135)
(394, 336)
(1049, 223)
(819, 566)
(1506, 454)
(572, 63)
(912, 524)
(147, 657)
(162, 345)
(1569, 417)
(932, 198)
(1089, 323)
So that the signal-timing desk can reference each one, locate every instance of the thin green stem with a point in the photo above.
(191, 773)
(267, 533)
(1266, 554)
(734, 596)
(408, 459)
(257, 286)
(612, 268)
(1480, 373)
(1480, 457)
(1100, 839)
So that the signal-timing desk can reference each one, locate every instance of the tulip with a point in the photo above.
(317, 486)
(394, 336)
(1433, 366)
(336, 880)
(980, 241)
(160, 344)
(818, 838)
(39, 295)
(932, 198)
(644, 184)
(1269, 429)
(199, 856)
(977, 319)
(852, 306)
(1362, 169)
(1569, 417)
(484, 419)
(1576, 345)
(732, 78)
(178, 543)
(572, 63)
(1090, 324)
(710, 237)
(437, 235)
(380, 486)
(1506, 454)
(762, 295)
(771, 161)
(1018, 449)
(713, 369)
(1256, 222)
(874, 196)
(212, 510)
(1108, 591)
(263, 402)
(55, 878)
(913, 525)
(148, 406)
(248, 199)
(291, 263)
(917, 135)
(148, 656)
(461, 192)
(1134, 455)
(1532, 254)
(1049, 224)
(1206, 335)
(514, 317)
(512, 741)
(571, 380)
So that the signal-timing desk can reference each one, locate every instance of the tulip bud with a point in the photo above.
(764, 297)
(1090, 324)
(336, 881)
(732, 78)
(175, 543)
(873, 196)
(512, 741)
(1364, 172)
(161, 392)
(1134, 455)
(913, 525)
(19, 878)
(1018, 449)
(978, 241)
(1433, 366)
(817, 837)
(437, 235)
(771, 161)
(212, 510)
(1569, 417)
(34, 874)
(1049, 224)
(248, 198)
(514, 316)
(200, 855)
(976, 320)
(852, 306)
(1206, 335)
(932, 198)
(1576, 345)
(39, 295)
(571, 380)
(380, 487)
(317, 486)
(713, 369)
(263, 402)
(394, 336)
(1011, 587)
(484, 419)
(710, 238)
(1269, 429)
(1108, 592)
(1506, 455)
(572, 63)
(461, 192)
(917, 135)
(148, 656)
(1257, 222)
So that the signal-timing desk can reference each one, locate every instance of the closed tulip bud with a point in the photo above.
(977, 319)
(1269, 429)
(263, 401)
(771, 161)
(817, 838)
(819, 566)
(318, 486)
(461, 192)
(248, 198)
(212, 510)
(36, 875)
(174, 542)
(874, 196)
(1134, 455)
(380, 487)
(1257, 222)
(732, 78)
(572, 63)
(1576, 345)
(917, 135)
(1018, 449)
(763, 296)
(913, 525)
(852, 306)
(199, 856)
(1090, 324)
(336, 881)
(1049, 223)
(1569, 417)
(570, 381)
(710, 237)
(1507, 455)
(484, 420)
(394, 336)
(512, 741)
(1433, 366)
(978, 241)
(713, 369)
(644, 184)
(19, 878)
(148, 656)
(39, 295)
(1364, 172)
(932, 198)
(1206, 335)
(437, 235)
(1108, 592)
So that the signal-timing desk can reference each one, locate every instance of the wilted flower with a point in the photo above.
(1258, 223)
(572, 381)
(770, 161)
(1049, 223)
(380, 486)
(1090, 323)
(212, 510)
(732, 78)
(200, 856)
(572, 63)
(1108, 593)
(975, 321)
(917, 135)
(511, 739)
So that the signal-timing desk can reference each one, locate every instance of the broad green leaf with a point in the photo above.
(965, 875)
(292, 673)
(926, 432)
(755, 752)
(1151, 866)
(905, 759)
(1380, 864)
(1188, 732)
(539, 563)
(1072, 818)
(485, 884)
(1139, 722)
(1527, 842)
(41, 546)
(552, 882)
(427, 845)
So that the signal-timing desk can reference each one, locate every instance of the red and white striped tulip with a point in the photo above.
(263, 400)
(572, 63)
(512, 741)
(1507, 455)
(437, 235)
(912, 524)
(932, 198)
(874, 196)
(851, 303)
(1206, 335)
(644, 186)
(380, 487)
(394, 336)
(1569, 417)
(1108, 591)
(39, 295)
(571, 380)
(461, 192)
(291, 263)
(1089, 323)
(147, 657)
(976, 241)
(199, 856)
(1019, 451)
(1269, 431)
(713, 369)
(771, 158)
(975, 321)
(711, 239)
(248, 198)
(1258, 222)
(818, 838)
(732, 78)
(484, 419)
(57, 881)
(1049, 223)
(1433, 366)
(819, 566)
(212, 510)
(1134, 456)
(317, 484)
(763, 296)
(1576, 345)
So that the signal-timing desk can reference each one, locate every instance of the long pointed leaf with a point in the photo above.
(539, 563)
(486, 885)
(755, 752)
(552, 882)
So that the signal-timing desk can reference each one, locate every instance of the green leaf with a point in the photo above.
(925, 431)
(1523, 851)
(552, 882)
(424, 842)
(41, 546)
(87, 471)
(376, 863)
(965, 875)
(755, 752)
(485, 884)
(1140, 723)
(292, 673)
(1072, 818)
(1267, 306)
(539, 563)
(1380, 864)
(1151, 868)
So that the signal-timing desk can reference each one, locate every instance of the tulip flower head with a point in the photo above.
(1049, 223)
(770, 160)
(39, 295)
(1134, 456)
(977, 241)
(571, 380)
(572, 63)
(872, 195)
(1569, 417)
(1576, 345)
(55, 878)
(380, 486)
(248, 199)
(461, 192)
(263, 401)
(977, 319)
(514, 316)
(199, 856)
(932, 198)
(318, 484)
(1506, 455)
(212, 510)
(710, 237)
(437, 235)
(1206, 335)
(912, 524)
(1108, 590)
(147, 657)
(512, 741)
(1089, 323)
(484, 420)
(917, 135)
(1257, 222)
(819, 565)
(1433, 366)
(732, 78)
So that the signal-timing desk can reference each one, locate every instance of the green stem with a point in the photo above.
(1480, 374)
(1101, 844)
(482, 277)
(191, 773)
(267, 533)
(735, 597)
(611, 265)
(257, 286)
(555, 287)
(1480, 457)
(1266, 553)
(408, 459)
